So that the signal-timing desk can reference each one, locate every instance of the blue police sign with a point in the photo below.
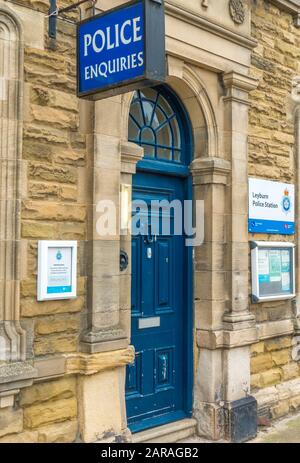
(121, 50)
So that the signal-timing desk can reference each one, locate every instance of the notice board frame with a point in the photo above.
(42, 277)
(269, 245)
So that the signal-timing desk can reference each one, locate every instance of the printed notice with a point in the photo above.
(275, 265)
(263, 266)
(59, 270)
(286, 270)
(286, 282)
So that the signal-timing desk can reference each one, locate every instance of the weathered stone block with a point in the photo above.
(52, 174)
(270, 377)
(278, 343)
(295, 403)
(58, 433)
(28, 288)
(69, 156)
(39, 230)
(260, 363)
(34, 210)
(290, 371)
(71, 231)
(281, 357)
(255, 381)
(36, 150)
(50, 412)
(11, 421)
(31, 308)
(54, 117)
(53, 344)
(64, 388)
(57, 324)
(281, 409)
(26, 437)
(45, 97)
(258, 348)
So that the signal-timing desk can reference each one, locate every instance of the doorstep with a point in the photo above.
(167, 434)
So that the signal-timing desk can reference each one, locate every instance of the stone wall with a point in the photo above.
(53, 207)
(46, 413)
(275, 63)
(56, 153)
(272, 362)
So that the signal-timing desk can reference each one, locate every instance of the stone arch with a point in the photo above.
(192, 92)
(11, 97)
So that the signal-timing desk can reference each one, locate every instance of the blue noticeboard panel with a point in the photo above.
(121, 49)
(271, 227)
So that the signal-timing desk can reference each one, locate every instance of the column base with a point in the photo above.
(234, 421)
(111, 339)
(101, 403)
(241, 420)
(238, 321)
(210, 421)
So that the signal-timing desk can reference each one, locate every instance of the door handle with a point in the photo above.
(149, 239)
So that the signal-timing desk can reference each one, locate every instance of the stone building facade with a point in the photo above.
(234, 66)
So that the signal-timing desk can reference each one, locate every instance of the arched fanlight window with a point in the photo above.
(154, 125)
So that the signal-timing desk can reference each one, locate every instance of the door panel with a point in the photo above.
(155, 384)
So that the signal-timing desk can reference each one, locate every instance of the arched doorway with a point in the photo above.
(159, 383)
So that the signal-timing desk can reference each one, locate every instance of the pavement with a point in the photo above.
(284, 431)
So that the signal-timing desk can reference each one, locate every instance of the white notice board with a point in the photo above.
(273, 270)
(57, 270)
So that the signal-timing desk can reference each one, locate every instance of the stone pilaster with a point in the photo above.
(130, 155)
(225, 326)
(210, 178)
(238, 322)
(14, 372)
(104, 332)
(236, 151)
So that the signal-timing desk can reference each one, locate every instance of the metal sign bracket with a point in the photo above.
(55, 12)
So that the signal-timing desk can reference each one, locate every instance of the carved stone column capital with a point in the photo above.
(238, 86)
(131, 154)
(210, 170)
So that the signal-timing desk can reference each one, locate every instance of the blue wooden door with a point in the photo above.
(157, 382)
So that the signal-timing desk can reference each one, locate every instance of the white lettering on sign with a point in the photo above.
(110, 67)
(127, 32)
